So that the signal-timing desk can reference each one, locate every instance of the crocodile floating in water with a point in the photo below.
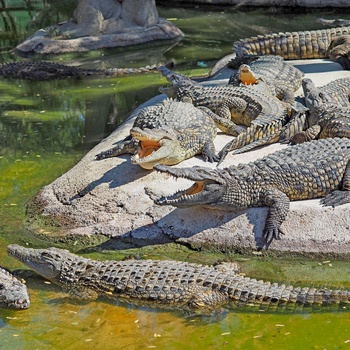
(44, 70)
(13, 293)
(168, 133)
(314, 169)
(166, 283)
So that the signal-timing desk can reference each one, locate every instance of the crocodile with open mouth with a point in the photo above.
(282, 78)
(168, 133)
(314, 169)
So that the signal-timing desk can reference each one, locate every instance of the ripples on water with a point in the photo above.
(45, 128)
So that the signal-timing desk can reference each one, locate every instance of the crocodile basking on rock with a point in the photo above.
(166, 283)
(283, 78)
(314, 169)
(327, 115)
(168, 133)
(330, 43)
(233, 106)
(13, 293)
(44, 70)
(329, 110)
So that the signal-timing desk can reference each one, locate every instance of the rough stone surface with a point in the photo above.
(103, 24)
(113, 197)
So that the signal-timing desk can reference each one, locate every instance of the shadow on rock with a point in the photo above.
(119, 175)
(197, 228)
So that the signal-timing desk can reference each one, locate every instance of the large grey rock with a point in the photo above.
(113, 197)
(102, 24)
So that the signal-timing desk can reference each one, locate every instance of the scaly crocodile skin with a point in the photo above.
(13, 293)
(314, 169)
(166, 283)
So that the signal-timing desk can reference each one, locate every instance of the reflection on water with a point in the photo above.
(45, 128)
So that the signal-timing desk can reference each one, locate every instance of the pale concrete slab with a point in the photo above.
(113, 197)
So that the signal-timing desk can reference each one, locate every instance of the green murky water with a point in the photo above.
(45, 128)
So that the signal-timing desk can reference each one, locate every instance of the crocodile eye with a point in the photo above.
(2, 286)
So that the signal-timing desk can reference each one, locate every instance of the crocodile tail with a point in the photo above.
(147, 69)
(254, 136)
(268, 295)
(313, 296)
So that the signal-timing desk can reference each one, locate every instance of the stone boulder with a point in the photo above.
(102, 24)
(113, 197)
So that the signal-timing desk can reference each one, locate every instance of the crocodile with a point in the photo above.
(283, 78)
(233, 106)
(168, 133)
(338, 22)
(44, 70)
(329, 110)
(330, 43)
(327, 114)
(315, 169)
(264, 114)
(168, 284)
(13, 293)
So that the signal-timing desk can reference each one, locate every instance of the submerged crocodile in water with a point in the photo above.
(168, 133)
(314, 169)
(165, 283)
(44, 70)
(13, 293)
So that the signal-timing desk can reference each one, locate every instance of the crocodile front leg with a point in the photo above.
(207, 300)
(310, 134)
(128, 145)
(224, 123)
(209, 153)
(279, 207)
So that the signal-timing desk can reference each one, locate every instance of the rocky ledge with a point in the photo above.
(112, 197)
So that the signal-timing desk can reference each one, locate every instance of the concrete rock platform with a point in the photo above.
(113, 197)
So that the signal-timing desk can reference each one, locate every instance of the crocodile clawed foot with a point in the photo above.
(272, 233)
(221, 156)
(103, 155)
(211, 158)
(100, 156)
(336, 198)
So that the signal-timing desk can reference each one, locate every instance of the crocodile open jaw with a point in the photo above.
(205, 189)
